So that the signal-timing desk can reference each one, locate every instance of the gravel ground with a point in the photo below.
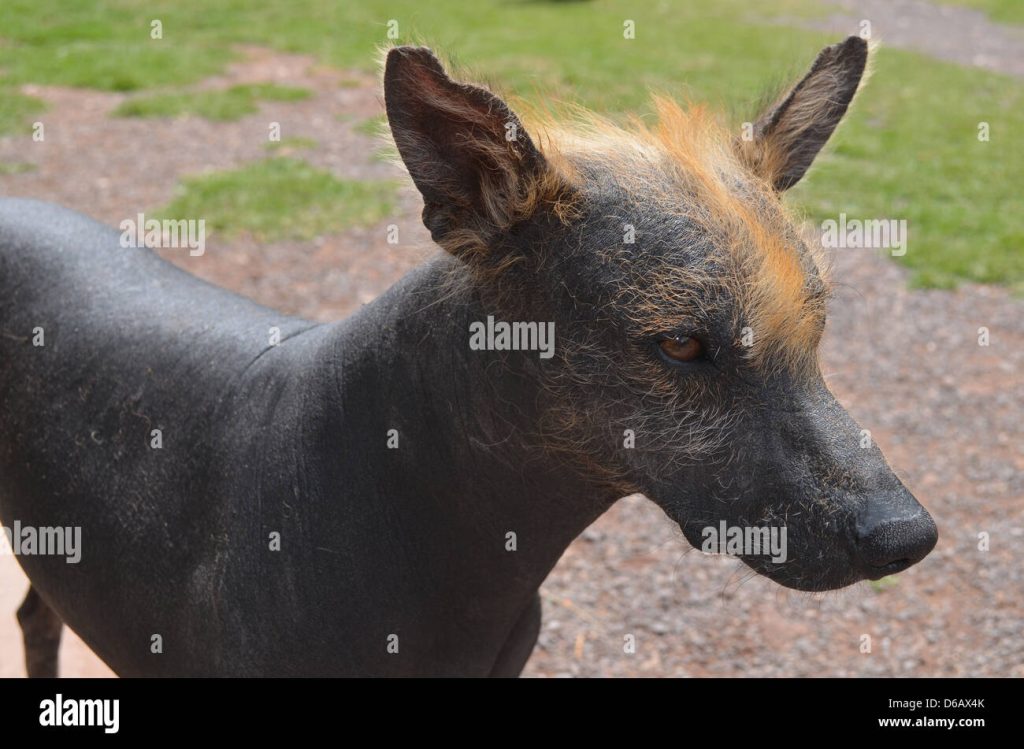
(960, 35)
(946, 411)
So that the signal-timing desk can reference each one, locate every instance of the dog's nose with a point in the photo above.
(894, 534)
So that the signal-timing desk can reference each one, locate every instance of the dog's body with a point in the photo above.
(259, 494)
(257, 439)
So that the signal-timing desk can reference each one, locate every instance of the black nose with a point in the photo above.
(893, 534)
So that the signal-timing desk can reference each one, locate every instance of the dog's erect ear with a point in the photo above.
(467, 152)
(788, 137)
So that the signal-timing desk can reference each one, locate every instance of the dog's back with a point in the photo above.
(117, 372)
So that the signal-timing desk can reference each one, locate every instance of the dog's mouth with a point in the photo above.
(867, 536)
(796, 576)
(780, 553)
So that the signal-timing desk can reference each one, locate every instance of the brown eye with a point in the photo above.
(684, 349)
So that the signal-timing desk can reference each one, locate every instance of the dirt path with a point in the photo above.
(947, 412)
(959, 35)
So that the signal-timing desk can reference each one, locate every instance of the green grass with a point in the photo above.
(1006, 11)
(106, 44)
(909, 151)
(372, 127)
(385, 154)
(19, 167)
(222, 106)
(290, 145)
(566, 48)
(17, 110)
(883, 584)
(280, 198)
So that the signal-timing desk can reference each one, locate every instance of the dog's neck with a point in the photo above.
(462, 465)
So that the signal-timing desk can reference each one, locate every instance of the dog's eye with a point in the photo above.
(682, 349)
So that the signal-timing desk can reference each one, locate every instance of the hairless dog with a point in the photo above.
(258, 494)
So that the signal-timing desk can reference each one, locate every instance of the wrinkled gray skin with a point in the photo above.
(260, 439)
(293, 439)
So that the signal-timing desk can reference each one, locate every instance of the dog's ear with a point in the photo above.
(790, 134)
(466, 150)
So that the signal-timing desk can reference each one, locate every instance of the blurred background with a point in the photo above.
(263, 118)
